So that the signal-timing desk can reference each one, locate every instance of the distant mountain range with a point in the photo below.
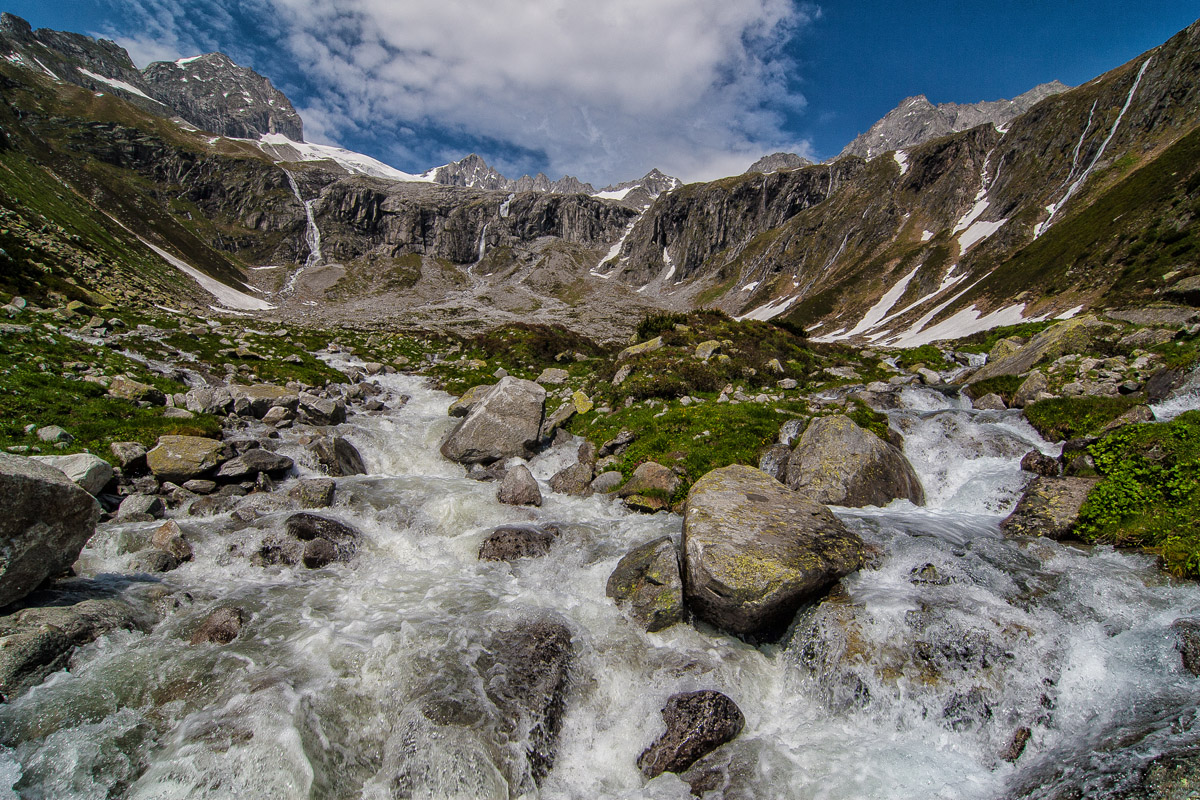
(939, 220)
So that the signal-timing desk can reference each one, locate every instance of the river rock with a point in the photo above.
(650, 478)
(209, 400)
(140, 508)
(838, 463)
(135, 391)
(512, 542)
(337, 457)
(527, 674)
(519, 488)
(27, 657)
(253, 462)
(553, 376)
(308, 527)
(505, 423)
(697, 724)
(774, 461)
(471, 398)
(181, 458)
(1069, 336)
(1039, 463)
(323, 410)
(131, 457)
(577, 478)
(754, 551)
(263, 397)
(152, 561)
(990, 402)
(90, 472)
(313, 492)
(1050, 507)
(1031, 388)
(169, 538)
(1187, 642)
(46, 522)
(221, 626)
(647, 581)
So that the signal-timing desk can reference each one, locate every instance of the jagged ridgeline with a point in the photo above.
(189, 183)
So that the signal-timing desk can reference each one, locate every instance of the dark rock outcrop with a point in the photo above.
(337, 457)
(1050, 507)
(512, 542)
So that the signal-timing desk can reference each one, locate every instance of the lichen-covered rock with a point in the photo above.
(323, 410)
(313, 492)
(46, 521)
(135, 391)
(838, 463)
(507, 422)
(697, 724)
(774, 461)
(140, 508)
(1068, 336)
(754, 551)
(131, 456)
(644, 347)
(1050, 507)
(552, 376)
(181, 458)
(651, 478)
(1033, 385)
(1039, 463)
(990, 402)
(90, 472)
(519, 488)
(263, 397)
(647, 581)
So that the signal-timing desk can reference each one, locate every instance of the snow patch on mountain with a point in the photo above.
(281, 149)
(113, 82)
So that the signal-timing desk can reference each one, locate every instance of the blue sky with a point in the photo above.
(608, 90)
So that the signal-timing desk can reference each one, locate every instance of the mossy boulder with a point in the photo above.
(1069, 336)
(181, 458)
(754, 551)
(470, 398)
(1050, 507)
(648, 583)
(839, 463)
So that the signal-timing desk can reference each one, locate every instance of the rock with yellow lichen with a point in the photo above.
(754, 551)
(839, 463)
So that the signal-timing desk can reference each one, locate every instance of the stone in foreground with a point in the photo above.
(697, 724)
(506, 422)
(754, 551)
(47, 521)
(181, 458)
(839, 463)
(1050, 507)
(647, 581)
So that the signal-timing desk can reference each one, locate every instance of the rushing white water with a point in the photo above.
(909, 686)
(312, 235)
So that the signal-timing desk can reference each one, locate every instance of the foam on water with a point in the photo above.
(908, 684)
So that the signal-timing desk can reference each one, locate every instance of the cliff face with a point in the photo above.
(217, 95)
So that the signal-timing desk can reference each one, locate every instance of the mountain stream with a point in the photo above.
(911, 682)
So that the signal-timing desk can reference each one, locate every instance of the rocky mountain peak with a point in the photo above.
(778, 161)
(916, 120)
(471, 172)
(216, 94)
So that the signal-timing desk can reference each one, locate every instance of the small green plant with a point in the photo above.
(1004, 385)
(1149, 495)
(868, 418)
(1075, 417)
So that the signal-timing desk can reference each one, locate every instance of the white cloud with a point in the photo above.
(606, 90)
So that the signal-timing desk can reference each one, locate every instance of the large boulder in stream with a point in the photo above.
(506, 422)
(47, 520)
(519, 488)
(697, 724)
(754, 551)
(648, 582)
(1050, 507)
(838, 463)
(337, 457)
(180, 458)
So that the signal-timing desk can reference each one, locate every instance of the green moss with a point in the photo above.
(1004, 385)
(984, 342)
(1149, 495)
(868, 418)
(1075, 417)
(926, 354)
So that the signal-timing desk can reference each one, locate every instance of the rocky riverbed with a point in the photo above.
(320, 603)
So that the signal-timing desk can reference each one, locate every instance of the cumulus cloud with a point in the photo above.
(604, 91)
